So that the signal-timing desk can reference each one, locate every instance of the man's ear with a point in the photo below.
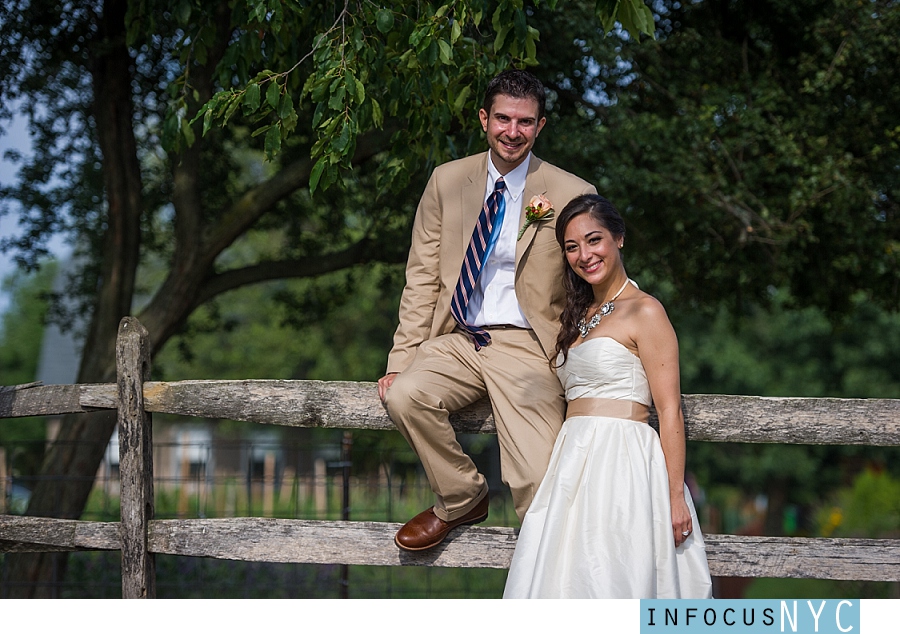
(483, 115)
(540, 126)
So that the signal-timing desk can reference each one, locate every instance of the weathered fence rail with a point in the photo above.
(347, 405)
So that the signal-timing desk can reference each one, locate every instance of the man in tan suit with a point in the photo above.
(438, 366)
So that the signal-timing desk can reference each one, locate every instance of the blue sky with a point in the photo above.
(14, 136)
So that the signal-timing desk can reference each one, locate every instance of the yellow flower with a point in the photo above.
(540, 208)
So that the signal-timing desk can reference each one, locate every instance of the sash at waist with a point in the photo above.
(611, 407)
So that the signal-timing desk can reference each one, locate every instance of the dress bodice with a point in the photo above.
(603, 368)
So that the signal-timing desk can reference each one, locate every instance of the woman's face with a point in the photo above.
(591, 250)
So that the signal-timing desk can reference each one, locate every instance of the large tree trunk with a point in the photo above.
(68, 472)
(67, 475)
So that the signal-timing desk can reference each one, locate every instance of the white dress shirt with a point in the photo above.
(493, 301)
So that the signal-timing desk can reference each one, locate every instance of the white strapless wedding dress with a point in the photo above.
(600, 525)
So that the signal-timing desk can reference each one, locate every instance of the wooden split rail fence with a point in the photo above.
(349, 405)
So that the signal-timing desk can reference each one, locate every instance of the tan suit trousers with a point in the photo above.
(528, 403)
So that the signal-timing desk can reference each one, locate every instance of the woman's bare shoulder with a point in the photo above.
(648, 307)
(648, 314)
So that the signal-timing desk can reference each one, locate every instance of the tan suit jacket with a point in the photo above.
(443, 226)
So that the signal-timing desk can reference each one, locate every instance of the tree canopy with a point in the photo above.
(753, 145)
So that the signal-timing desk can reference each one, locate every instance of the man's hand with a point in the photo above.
(384, 383)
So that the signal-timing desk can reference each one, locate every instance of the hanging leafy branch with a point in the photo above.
(420, 62)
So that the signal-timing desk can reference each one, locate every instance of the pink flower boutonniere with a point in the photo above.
(538, 209)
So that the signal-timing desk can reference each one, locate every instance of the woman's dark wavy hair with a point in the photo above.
(579, 294)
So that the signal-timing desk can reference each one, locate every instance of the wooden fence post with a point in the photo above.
(2, 481)
(135, 460)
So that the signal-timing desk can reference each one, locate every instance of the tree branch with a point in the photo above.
(360, 252)
(257, 201)
(179, 294)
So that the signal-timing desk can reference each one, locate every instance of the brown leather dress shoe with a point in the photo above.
(426, 530)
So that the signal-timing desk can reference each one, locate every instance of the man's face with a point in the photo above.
(512, 127)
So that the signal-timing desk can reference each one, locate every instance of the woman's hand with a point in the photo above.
(681, 520)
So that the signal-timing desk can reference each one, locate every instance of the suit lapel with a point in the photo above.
(535, 185)
(471, 200)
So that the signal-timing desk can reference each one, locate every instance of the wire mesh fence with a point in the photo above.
(200, 474)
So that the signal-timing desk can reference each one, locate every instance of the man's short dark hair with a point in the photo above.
(518, 84)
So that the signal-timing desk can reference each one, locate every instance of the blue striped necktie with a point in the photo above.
(483, 239)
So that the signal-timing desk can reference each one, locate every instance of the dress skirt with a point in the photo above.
(600, 525)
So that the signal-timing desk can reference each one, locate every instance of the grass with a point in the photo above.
(766, 588)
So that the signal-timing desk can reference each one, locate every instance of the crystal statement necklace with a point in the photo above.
(607, 308)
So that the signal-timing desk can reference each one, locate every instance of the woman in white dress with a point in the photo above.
(612, 517)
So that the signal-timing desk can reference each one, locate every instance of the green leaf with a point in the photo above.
(183, 12)
(636, 18)
(286, 105)
(273, 92)
(648, 25)
(460, 101)
(329, 126)
(446, 52)
(188, 132)
(289, 122)
(501, 37)
(329, 122)
(273, 142)
(377, 116)
(337, 99)
(329, 176)
(607, 11)
(317, 115)
(384, 20)
(317, 148)
(358, 37)
(360, 91)
(208, 106)
(264, 74)
(455, 31)
(134, 25)
(606, 8)
(207, 119)
(308, 85)
(233, 105)
(530, 52)
(520, 25)
(498, 19)
(340, 143)
(425, 43)
(251, 98)
(217, 103)
(431, 53)
(320, 89)
(316, 174)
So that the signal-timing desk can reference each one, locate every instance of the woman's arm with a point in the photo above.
(658, 349)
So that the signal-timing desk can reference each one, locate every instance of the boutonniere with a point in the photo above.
(538, 209)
